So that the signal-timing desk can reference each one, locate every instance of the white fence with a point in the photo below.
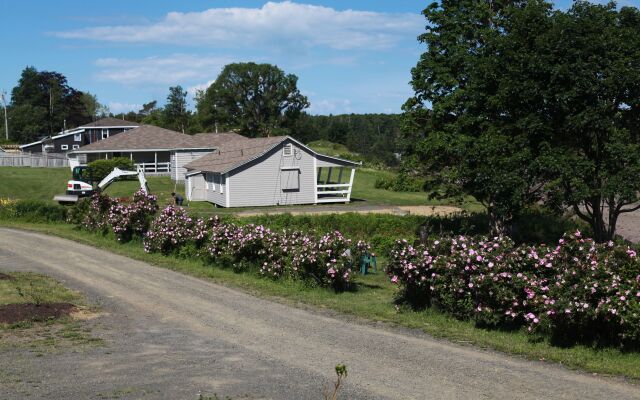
(33, 160)
(161, 168)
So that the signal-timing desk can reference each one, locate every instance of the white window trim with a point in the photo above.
(75, 146)
(77, 137)
(103, 131)
(222, 183)
(64, 147)
(287, 150)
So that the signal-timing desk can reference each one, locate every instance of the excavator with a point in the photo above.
(82, 183)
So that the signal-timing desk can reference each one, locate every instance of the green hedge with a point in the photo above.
(34, 211)
(400, 183)
(381, 230)
(102, 168)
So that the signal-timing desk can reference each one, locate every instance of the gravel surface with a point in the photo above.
(169, 336)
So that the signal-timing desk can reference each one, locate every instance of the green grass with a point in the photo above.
(35, 286)
(44, 183)
(364, 189)
(374, 301)
(332, 149)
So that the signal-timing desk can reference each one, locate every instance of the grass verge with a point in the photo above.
(373, 301)
(37, 333)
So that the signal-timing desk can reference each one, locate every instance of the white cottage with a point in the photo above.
(266, 172)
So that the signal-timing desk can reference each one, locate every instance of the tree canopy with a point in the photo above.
(255, 99)
(517, 103)
(43, 103)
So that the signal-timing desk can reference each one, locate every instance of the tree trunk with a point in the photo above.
(499, 225)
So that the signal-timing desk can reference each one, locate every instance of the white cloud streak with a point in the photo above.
(168, 70)
(117, 107)
(282, 24)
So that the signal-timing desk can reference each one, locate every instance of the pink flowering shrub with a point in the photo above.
(577, 291)
(132, 219)
(91, 213)
(327, 260)
(243, 246)
(173, 229)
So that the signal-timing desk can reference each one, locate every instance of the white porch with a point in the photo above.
(151, 162)
(334, 184)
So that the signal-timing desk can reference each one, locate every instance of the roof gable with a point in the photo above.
(235, 154)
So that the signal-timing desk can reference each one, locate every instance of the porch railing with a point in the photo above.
(155, 168)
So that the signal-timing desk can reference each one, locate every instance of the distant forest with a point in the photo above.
(374, 136)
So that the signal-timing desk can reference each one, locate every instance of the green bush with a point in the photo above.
(102, 168)
(36, 211)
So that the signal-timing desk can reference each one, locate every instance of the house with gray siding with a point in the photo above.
(267, 172)
(76, 138)
(157, 151)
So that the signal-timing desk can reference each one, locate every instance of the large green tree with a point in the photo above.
(175, 113)
(43, 103)
(472, 126)
(255, 99)
(517, 103)
(594, 94)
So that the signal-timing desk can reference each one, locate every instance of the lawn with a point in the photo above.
(44, 183)
(373, 300)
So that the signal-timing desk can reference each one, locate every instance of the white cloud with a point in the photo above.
(330, 106)
(173, 69)
(193, 90)
(117, 107)
(281, 24)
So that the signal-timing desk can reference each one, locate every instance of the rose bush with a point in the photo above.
(173, 229)
(577, 291)
(132, 219)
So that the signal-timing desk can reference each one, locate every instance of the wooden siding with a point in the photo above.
(180, 158)
(213, 193)
(259, 182)
(197, 188)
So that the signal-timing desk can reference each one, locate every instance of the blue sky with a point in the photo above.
(350, 55)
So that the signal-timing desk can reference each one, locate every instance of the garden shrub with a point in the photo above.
(92, 214)
(399, 183)
(7, 208)
(34, 211)
(133, 219)
(575, 292)
(102, 168)
(174, 229)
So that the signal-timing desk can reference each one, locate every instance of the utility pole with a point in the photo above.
(6, 121)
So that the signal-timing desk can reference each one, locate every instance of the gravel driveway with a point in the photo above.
(169, 336)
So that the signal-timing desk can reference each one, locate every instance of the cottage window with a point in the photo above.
(77, 137)
(64, 147)
(290, 179)
(105, 133)
(287, 150)
(76, 146)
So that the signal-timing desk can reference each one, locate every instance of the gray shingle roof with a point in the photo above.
(149, 137)
(109, 121)
(235, 153)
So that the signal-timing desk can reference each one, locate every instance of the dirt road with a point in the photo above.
(169, 336)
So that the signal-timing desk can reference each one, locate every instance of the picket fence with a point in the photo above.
(33, 160)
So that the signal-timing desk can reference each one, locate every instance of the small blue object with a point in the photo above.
(367, 261)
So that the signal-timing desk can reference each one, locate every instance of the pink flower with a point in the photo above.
(394, 279)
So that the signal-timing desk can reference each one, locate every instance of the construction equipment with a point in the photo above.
(81, 184)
